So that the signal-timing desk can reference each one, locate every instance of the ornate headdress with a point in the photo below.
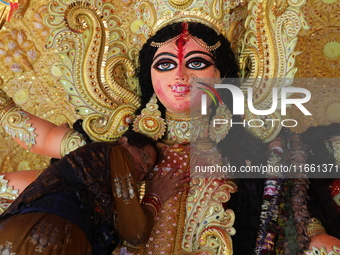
(98, 43)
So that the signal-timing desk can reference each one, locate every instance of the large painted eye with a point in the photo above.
(165, 65)
(198, 63)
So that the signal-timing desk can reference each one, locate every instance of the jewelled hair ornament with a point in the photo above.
(185, 36)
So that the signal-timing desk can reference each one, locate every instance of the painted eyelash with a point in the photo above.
(202, 60)
(161, 61)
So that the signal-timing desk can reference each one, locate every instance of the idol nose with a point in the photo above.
(182, 75)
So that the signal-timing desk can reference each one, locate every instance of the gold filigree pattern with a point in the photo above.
(7, 194)
(266, 45)
(15, 124)
(204, 206)
(149, 122)
(319, 58)
(322, 251)
(184, 129)
(96, 66)
(270, 43)
(18, 53)
(6, 103)
(218, 132)
(71, 141)
(156, 14)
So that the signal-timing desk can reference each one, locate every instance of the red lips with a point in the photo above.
(180, 89)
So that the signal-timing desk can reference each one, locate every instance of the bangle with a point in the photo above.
(153, 202)
(152, 199)
(145, 203)
(159, 199)
(71, 141)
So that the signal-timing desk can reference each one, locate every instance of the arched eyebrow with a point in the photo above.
(197, 52)
(165, 54)
(187, 55)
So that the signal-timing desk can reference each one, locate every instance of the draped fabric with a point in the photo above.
(105, 169)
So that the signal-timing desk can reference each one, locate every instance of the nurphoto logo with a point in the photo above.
(238, 105)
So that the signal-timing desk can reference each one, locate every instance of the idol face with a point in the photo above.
(171, 72)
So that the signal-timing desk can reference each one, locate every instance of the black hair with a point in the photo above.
(140, 140)
(321, 204)
(223, 56)
(238, 146)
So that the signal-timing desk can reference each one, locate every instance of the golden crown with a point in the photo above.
(215, 14)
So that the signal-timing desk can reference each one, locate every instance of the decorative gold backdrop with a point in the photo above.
(320, 58)
(310, 47)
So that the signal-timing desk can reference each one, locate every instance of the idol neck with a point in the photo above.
(186, 127)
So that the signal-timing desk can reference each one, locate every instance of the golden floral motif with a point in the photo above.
(324, 15)
(323, 45)
(319, 45)
(38, 22)
(332, 49)
(182, 129)
(18, 52)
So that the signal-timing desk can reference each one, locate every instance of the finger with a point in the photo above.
(157, 175)
(183, 188)
(173, 171)
(181, 176)
(180, 189)
(179, 183)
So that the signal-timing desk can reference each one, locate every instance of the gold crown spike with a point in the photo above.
(265, 46)
(216, 14)
(97, 64)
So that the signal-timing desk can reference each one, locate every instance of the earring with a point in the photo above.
(150, 122)
(219, 129)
